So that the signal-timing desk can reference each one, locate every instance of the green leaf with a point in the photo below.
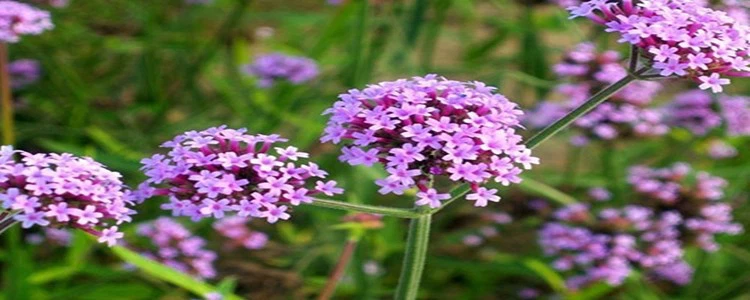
(168, 274)
(553, 279)
(541, 189)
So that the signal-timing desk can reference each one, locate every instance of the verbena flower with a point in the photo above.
(175, 246)
(277, 66)
(23, 72)
(586, 71)
(698, 112)
(52, 236)
(61, 190)
(430, 126)
(17, 19)
(235, 229)
(736, 113)
(694, 110)
(220, 170)
(678, 37)
(607, 245)
(695, 195)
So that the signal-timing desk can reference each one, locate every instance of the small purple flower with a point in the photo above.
(61, 190)
(695, 194)
(236, 230)
(277, 66)
(241, 173)
(168, 242)
(430, 126)
(17, 19)
(23, 72)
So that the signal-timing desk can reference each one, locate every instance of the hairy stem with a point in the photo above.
(584, 108)
(414, 258)
(382, 210)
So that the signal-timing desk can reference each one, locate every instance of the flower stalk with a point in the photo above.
(414, 257)
(584, 108)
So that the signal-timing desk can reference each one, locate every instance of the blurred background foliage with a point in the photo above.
(122, 76)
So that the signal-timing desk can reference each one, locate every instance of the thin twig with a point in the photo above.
(338, 270)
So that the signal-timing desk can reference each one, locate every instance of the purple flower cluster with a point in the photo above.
(679, 37)
(235, 228)
(18, 19)
(695, 195)
(694, 111)
(54, 236)
(430, 126)
(736, 113)
(175, 246)
(586, 71)
(277, 66)
(606, 246)
(220, 170)
(698, 112)
(23, 72)
(61, 190)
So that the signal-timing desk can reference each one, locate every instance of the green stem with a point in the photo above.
(7, 99)
(587, 106)
(382, 210)
(414, 258)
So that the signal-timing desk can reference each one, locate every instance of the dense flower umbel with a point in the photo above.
(608, 245)
(220, 170)
(235, 229)
(585, 72)
(175, 246)
(277, 66)
(678, 37)
(428, 126)
(695, 195)
(61, 190)
(23, 72)
(17, 19)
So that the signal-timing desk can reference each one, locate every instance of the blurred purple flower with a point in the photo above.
(175, 246)
(269, 68)
(586, 71)
(235, 228)
(23, 72)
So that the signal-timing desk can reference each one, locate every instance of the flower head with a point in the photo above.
(175, 246)
(220, 170)
(23, 72)
(17, 19)
(431, 126)
(696, 195)
(277, 66)
(61, 190)
(679, 37)
(235, 228)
